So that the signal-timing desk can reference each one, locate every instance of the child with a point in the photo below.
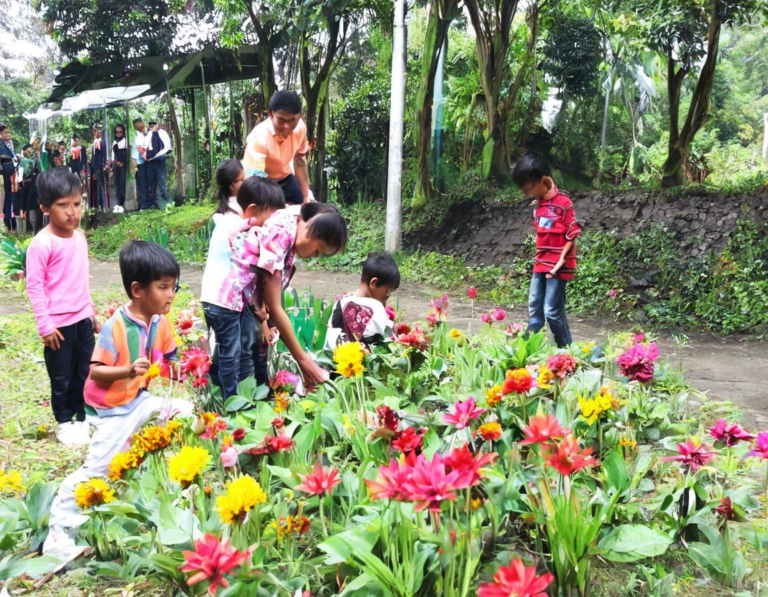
(363, 316)
(308, 230)
(57, 286)
(134, 337)
(555, 261)
(226, 281)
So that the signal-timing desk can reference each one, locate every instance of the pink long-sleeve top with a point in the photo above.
(58, 280)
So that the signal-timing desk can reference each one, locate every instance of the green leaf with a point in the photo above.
(341, 548)
(632, 542)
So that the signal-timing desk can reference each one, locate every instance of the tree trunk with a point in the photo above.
(394, 230)
(604, 128)
(267, 85)
(177, 158)
(441, 13)
(698, 112)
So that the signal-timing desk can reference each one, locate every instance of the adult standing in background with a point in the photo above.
(157, 144)
(138, 164)
(76, 160)
(8, 168)
(276, 142)
(98, 166)
(120, 163)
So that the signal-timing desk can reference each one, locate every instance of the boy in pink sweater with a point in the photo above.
(58, 288)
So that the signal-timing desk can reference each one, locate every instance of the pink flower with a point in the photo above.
(389, 483)
(431, 318)
(638, 338)
(692, 456)
(238, 434)
(485, 317)
(195, 362)
(499, 314)
(612, 292)
(541, 429)
(391, 313)
(284, 381)
(430, 484)
(472, 292)
(461, 413)
(467, 465)
(730, 434)
(562, 365)
(409, 440)
(212, 559)
(518, 581)
(636, 362)
(228, 457)
(440, 306)
(761, 446)
(413, 338)
(515, 329)
(321, 481)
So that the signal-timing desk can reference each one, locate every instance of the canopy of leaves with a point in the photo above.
(572, 55)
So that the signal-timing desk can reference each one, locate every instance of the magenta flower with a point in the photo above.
(391, 313)
(320, 481)
(431, 318)
(612, 292)
(637, 362)
(472, 292)
(761, 446)
(499, 314)
(389, 484)
(486, 318)
(692, 456)
(730, 434)
(467, 465)
(430, 484)
(461, 413)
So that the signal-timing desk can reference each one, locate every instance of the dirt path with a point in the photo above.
(726, 368)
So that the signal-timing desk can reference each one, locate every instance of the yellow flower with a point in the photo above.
(308, 406)
(187, 464)
(155, 438)
(242, 495)
(493, 396)
(455, 334)
(545, 377)
(11, 482)
(281, 401)
(593, 408)
(628, 442)
(124, 461)
(93, 493)
(153, 371)
(349, 359)
(476, 503)
(588, 347)
(43, 429)
(490, 431)
(348, 426)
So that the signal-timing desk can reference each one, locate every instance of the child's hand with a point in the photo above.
(96, 325)
(140, 367)
(272, 335)
(53, 340)
(262, 314)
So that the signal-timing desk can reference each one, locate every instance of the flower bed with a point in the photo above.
(435, 464)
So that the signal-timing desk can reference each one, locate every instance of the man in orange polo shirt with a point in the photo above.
(275, 142)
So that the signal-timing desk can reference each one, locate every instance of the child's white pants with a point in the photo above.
(109, 439)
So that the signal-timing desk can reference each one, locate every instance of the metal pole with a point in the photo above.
(394, 229)
(207, 123)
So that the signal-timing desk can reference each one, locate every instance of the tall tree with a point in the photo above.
(394, 229)
(492, 21)
(684, 32)
(441, 14)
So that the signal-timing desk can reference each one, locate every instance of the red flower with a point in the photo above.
(429, 483)
(692, 456)
(238, 434)
(566, 457)
(278, 422)
(461, 413)
(414, 338)
(499, 314)
(212, 559)
(516, 580)
(319, 482)
(408, 440)
(388, 418)
(471, 292)
(199, 382)
(401, 328)
(467, 465)
(195, 362)
(562, 365)
(518, 381)
(279, 443)
(541, 429)
(637, 362)
(391, 313)
(431, 318)
(485, 317)
(730, 434)
(389, 483)
(184, 322)
(725, 509)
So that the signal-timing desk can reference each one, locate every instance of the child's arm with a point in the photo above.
(273, 292)
(37, 260)
(104, 374)
(553, 272)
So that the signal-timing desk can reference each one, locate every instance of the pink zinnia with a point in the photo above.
(562, 365)
(518, 581)
(541, 429)
(692, 456)
(430, 484)
(730, 434)
(389, 483)
(319, 482)
(212, 559)
(761, 446)
(636, 362)
(461, 413)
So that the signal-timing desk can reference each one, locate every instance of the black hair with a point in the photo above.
(531, 168)
(152, 123)
(135, 120)
(26, 146)
(261, 192)
(118, 126)
(2, 127)
(326, 224)
(75, 137)
(145, 262)
(286, 101)
(226, 174)
(383, 267)
(55, 183)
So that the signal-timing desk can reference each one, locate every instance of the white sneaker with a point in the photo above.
(60, 545)
(67, 432)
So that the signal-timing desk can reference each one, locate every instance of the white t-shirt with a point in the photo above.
(217, 265)
(363, 317)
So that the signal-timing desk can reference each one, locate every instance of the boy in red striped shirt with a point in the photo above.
(555, 260)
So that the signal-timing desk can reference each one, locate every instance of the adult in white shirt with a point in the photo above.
(120, 164)
(138, 165)
(157, 144)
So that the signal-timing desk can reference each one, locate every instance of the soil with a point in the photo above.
(726, 368)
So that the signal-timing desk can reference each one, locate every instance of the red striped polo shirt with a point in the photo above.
(555, 223)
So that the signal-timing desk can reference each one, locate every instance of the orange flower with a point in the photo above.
(518, 381)
(493, 395)
(490, 431)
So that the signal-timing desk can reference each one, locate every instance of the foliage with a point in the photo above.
(572, 55)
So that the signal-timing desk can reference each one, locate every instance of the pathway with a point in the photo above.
(726, 368)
